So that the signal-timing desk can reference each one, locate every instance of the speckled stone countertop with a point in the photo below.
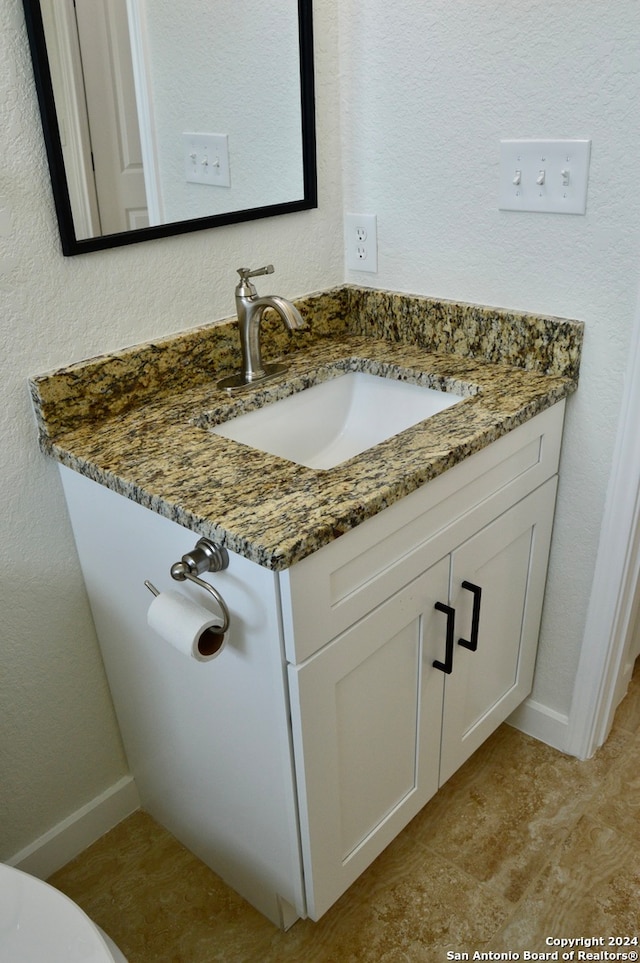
(137, 420)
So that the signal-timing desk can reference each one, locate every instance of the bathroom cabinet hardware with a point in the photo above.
(205, 557)
(180, 576)
(217, 631)
(447, 665)
(472, 643)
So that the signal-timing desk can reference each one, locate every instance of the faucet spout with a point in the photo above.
(287, 311)
(250, 309)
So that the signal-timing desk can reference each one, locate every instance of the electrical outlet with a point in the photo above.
(361, 242)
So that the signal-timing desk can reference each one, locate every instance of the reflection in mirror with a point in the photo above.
(162, 118)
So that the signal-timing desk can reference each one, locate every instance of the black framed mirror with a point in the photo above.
(162, 118)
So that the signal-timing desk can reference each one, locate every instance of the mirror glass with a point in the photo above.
(162, 117)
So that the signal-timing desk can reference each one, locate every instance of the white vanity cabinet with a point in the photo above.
(290, 761)
(383, 715)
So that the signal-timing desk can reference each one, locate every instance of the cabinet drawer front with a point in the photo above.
(334, 587)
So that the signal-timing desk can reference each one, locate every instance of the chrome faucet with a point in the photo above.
(250, 309)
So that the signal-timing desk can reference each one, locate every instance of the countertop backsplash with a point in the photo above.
(136, 420)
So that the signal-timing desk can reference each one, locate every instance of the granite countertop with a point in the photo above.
(137, 420)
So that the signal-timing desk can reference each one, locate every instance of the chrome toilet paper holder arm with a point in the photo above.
(205, 557)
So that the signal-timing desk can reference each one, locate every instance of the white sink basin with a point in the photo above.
(331, 422)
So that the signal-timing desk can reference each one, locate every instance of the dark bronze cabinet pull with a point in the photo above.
(447, 665)
(472, 643)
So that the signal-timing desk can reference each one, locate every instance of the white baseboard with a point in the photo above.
(62, 843)
(542, 723)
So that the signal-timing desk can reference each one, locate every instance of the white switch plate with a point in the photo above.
(544, 175)
(206, 159)
(361, 242)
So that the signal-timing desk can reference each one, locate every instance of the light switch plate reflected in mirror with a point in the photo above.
(206, 159)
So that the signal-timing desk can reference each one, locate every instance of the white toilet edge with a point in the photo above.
(116, 952)
(26, 903)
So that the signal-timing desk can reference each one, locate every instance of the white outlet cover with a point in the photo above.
(361, 242)
(561, 165)
(206, 159)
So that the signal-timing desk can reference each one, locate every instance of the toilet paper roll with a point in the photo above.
(187, 626)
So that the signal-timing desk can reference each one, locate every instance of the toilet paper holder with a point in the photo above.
(205, 557)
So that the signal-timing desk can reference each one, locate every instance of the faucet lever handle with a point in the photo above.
(246, 273)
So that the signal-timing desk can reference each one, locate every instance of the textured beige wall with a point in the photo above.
(59, 744)
(433, 87)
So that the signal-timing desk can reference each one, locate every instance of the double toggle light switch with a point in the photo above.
(538, 175)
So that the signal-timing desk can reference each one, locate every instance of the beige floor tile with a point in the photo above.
(521, 843)
(411, 904)
(590, 887)
(498, 816)
(157, 901)
(617, 804)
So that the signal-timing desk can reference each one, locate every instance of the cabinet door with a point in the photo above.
(507, 560)
(366, 713)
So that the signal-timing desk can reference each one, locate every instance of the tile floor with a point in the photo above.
(521, 844)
